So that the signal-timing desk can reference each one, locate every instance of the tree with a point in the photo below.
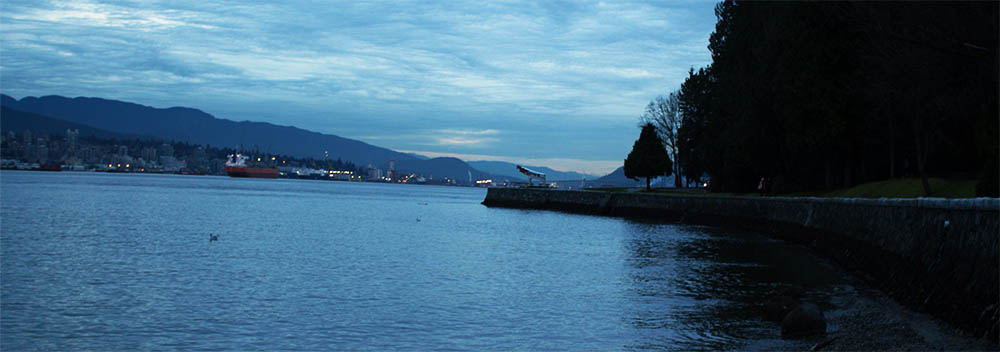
(665, 114)
(648, 157)
(696, 148)
(867, 89)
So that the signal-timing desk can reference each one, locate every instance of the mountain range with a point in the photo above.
(117, 119)
(19, 121)
(509, 170)
(195, 126)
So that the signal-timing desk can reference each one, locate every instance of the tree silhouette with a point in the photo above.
(665, 113)
(648, 157)
(825, 95)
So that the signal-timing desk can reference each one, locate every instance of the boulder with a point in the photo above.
(783, 302)
(777, 307)
(805, 320)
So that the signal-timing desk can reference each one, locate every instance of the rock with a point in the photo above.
(805, 320)
(777, 307)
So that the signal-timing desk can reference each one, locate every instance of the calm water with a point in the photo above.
(123, 262)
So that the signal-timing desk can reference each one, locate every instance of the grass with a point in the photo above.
(908, 188)
(608, 189)
(895, 188)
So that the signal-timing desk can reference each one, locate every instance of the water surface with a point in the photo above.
(96, 261)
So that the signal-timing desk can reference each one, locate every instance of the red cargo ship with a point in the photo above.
(236, 166)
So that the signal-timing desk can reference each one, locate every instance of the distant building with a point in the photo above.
(171, 164)
(166, 150)
(392, 170)
(72, 141)
(199, 159)
(149, 154)
(374, 173)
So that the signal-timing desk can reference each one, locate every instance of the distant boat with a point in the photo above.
(48, 167)
(236, 166)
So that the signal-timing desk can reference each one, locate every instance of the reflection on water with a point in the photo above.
(702, 288)
(123, 262)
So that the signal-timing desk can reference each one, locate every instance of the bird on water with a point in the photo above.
(213, 237)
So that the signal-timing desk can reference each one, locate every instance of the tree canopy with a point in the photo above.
(832, 94)
(664, 112)
(648, 157)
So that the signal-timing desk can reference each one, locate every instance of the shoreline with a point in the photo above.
(933, 255)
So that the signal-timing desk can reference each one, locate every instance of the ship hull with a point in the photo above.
(252, 172)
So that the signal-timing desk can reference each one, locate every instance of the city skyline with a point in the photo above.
(559, 84)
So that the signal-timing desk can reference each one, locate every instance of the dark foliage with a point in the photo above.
(648, 157)
(827, 95)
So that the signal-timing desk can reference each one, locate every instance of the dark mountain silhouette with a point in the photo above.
(508, 170)
(418, 156)
(617, 179)
(19, 121)
(195, 126)
(113, 119)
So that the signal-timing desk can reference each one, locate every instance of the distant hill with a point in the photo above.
(418, 156)
(195, 126)
(509, 170)
(19, 121)
(617, 179)
(441, 167)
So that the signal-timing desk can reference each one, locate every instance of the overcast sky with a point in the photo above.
(544, 83)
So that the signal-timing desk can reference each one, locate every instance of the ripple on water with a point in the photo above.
(305, 265)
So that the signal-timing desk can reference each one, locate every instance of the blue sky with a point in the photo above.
(559, 84)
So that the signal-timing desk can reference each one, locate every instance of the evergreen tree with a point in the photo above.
(825, 95)
(648, 157)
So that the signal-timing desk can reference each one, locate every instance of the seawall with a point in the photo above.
(938, 256)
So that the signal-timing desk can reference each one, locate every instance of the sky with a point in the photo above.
(548, 83)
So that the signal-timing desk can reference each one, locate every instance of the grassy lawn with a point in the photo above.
(608, 189)
(908, 188)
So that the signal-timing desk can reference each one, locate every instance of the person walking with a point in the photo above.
(760, 187)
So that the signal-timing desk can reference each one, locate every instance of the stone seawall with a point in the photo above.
(938, 256)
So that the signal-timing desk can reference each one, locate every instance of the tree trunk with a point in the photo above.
(677, 170)
(892, 149)
(848, 167)
(827, 178)
(921, 139)
(921, 163)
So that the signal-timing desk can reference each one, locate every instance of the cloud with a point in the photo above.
(464, 141)
(85, 13)
(567, 78)
(468, 132)
(593, 167)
